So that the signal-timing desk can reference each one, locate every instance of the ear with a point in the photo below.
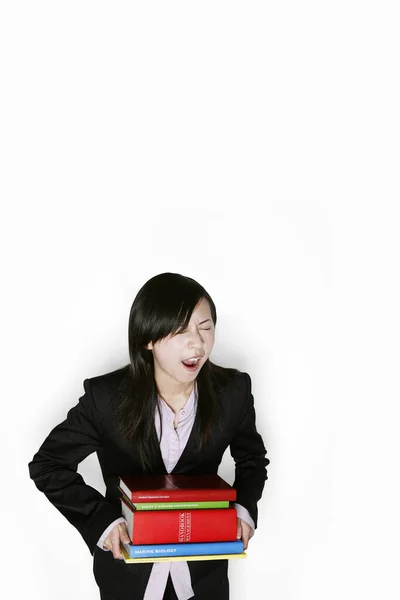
(149, 346)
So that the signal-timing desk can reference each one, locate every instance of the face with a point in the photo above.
(197, 340)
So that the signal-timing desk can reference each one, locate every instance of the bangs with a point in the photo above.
(172, 317)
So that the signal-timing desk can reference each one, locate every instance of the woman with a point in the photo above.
(169, 410)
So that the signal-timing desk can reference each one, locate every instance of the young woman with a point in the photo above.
(170, 410)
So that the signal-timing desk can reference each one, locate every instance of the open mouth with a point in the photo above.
(191, 365)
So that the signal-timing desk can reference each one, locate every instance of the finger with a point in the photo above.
(239, 530)
(245, 537)
(116, 550)
(124, 534)
(246, 533)
(116, 547)
(107, 543)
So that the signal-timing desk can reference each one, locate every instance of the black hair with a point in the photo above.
(162, 307)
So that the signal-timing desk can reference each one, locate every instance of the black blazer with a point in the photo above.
(90, 427)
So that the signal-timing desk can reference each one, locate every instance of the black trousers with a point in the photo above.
(169, 593)
(219, 592)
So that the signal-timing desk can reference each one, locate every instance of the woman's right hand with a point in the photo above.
(113, 541)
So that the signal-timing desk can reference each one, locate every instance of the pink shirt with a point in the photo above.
(172, 444)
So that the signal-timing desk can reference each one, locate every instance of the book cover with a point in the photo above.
(180, 558)
(176, 488)
(196, 549)
(175, 505)
(176, 526)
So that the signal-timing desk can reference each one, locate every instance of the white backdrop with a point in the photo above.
(251, 146)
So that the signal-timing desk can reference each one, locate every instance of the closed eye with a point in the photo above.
(203, 329)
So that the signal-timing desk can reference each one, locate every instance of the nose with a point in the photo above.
(195, 340)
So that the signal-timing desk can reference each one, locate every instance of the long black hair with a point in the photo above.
(163, 306)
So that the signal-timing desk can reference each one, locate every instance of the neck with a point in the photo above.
(173, 392)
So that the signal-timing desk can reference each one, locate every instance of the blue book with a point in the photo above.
(183, 549)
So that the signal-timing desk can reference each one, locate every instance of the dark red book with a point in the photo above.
(174, 526)
(176, 488)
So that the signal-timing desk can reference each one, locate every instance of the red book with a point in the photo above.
(174, 526)
(176, 488)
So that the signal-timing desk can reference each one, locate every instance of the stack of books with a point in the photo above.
(179, 517)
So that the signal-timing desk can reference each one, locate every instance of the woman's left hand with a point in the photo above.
(244, 532)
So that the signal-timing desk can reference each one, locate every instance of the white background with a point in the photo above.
(253, 146)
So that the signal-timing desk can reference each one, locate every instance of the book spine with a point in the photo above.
(177, 526)
(191, 495)
(193, 549)
(179, 505)
(181, 558)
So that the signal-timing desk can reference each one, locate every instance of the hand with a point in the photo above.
(113, 541)
(244, 532)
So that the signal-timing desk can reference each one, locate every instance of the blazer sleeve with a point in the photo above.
(54, 470)
(249, 453)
